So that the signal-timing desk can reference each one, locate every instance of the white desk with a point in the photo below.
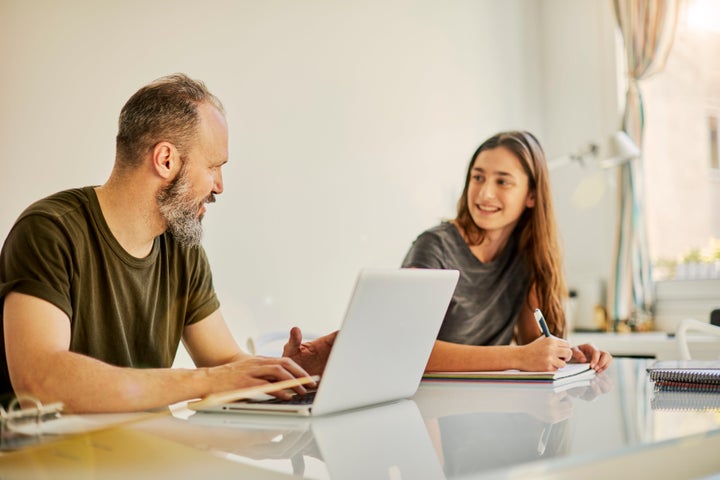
(604, 429)
(657, 345)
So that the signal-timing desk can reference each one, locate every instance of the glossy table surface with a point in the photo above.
(614, 425)
(466, 430)
(657, 345)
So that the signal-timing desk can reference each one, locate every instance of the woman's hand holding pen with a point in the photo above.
(551, 353)
(546, 354)
(599, 360)
(559, 351)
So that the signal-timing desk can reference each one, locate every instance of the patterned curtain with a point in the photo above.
(648, 31)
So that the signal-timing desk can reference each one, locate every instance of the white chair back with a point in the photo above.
(692, 325)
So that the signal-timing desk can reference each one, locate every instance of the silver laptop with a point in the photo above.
(383, 345)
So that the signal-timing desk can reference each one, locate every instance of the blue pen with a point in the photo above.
(541, 321)
(546, 331)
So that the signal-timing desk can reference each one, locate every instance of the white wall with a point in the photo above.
(351, 122)
(582, 103)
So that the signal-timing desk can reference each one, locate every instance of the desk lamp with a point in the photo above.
(617, 150)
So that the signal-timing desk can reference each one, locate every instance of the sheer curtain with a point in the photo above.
(648, 30)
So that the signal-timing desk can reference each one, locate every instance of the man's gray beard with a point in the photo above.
(180, 210)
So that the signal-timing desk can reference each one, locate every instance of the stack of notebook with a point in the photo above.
(686, 375)
(571, 372)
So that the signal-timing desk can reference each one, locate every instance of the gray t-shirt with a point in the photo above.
(489, 296)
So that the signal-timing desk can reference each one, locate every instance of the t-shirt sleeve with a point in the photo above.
(203, 300)
(36, 261)
(425, 252)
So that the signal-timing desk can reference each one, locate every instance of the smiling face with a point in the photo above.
(498, 191)
(182, 201)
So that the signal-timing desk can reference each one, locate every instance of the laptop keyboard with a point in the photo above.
(306, 399)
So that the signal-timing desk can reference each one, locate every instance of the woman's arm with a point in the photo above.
(543, 354)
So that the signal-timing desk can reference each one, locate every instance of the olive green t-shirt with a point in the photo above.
(123, 310)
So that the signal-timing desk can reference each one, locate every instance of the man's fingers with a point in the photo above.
(273, 369)
(296, 335)
(294, 341)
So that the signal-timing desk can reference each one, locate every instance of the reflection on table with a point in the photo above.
(460, 430)
(391, 441)
(480, 427)
(387, 441)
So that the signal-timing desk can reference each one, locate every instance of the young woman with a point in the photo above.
(504, 242)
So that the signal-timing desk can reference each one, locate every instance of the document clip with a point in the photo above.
(26, 414)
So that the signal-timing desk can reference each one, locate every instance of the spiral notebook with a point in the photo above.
(686, 375)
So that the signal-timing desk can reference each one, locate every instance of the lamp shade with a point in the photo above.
(618, 148)
(621, 149)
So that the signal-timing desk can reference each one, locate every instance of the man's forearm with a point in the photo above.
(87, 385)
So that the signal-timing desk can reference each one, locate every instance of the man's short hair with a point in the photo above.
(164, 110)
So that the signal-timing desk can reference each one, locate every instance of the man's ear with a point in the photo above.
(165, 159)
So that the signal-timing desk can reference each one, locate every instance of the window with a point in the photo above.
(713, 129)
(681, 159)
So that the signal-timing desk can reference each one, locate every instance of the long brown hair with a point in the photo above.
(538, 239)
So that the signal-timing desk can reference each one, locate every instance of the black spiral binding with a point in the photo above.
(694, 376)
